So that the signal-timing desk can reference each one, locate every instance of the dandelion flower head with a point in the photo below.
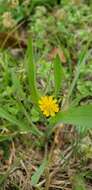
(48, 105)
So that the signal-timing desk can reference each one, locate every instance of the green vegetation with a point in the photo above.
(45, 95)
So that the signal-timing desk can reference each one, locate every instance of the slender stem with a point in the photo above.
(47, 171)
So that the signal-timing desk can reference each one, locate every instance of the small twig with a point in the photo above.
(47, 173)
(47, 178)
(10, 33)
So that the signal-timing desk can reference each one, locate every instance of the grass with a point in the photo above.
(47, 52)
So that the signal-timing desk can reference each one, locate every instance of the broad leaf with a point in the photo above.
(79, 116)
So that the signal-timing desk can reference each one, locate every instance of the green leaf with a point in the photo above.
(19, 93)
(79, 116)
(36, 176)
(16, 84)
(5, 115)
(58, 74)
(31, 71)
(78, 183)
(35, 116)
(22, 127)
(4, 137)
(82, 59)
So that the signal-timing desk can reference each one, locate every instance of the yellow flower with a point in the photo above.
(48, 105)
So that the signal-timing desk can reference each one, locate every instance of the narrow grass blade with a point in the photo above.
(21, 126)
(17, 86)
(4, 137)
(58, 74)
(82, 59)
(31, 71)
(36, 176)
